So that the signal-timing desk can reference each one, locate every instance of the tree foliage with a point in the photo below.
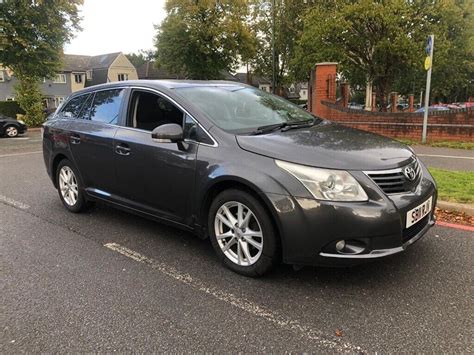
(288, 29)
(203, 38)
(383, 42)
(32, 35)
(141, 57)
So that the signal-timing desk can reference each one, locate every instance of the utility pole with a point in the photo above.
(273, 49)
(428, 67)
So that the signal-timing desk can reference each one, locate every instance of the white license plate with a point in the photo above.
(417, 213)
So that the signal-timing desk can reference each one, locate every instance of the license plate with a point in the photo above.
(417, 213)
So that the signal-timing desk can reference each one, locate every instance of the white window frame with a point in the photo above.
(89, 75)
(60, 79)
(58, 100)
(75, 78)
(2, 76)
(10, 98)
(122, 77)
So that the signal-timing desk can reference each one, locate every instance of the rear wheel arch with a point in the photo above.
(54, 166)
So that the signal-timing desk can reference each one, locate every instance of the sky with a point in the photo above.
(116, 26)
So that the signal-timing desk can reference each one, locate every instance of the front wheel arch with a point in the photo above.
(228, 184)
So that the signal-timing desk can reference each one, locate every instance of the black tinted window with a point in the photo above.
(148, 111)
(73, 107)
(106, 106)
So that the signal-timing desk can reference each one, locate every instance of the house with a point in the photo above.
(150, 71)
(299, 91)
(77, 72)
(254, 80)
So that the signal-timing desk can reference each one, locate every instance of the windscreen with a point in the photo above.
(240, 109)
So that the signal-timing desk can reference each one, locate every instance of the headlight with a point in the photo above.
(325, 184)
(21, 121)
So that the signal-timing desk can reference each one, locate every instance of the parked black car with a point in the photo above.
(263, 179)
(9, 127)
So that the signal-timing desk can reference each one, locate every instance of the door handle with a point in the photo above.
(75, 139)
(122, 149)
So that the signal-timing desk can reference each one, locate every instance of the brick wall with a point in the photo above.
(442, 126)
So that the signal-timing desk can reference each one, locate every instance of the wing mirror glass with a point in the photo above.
(168, 133)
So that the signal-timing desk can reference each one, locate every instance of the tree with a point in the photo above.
(32, 35)
(378, 43)
(203, 38)
(141, 57)
(452, 23)
(288, 29)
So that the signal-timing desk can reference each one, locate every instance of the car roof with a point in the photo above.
(162, 84)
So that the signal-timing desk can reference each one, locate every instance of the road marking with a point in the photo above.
(243, 304)
(18, 154)
(9, 201)
(455, 226)
(445, 156)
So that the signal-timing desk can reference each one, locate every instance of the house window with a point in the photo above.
(89, 75)
(2, 77)
(60, 79)
(58, 100)
(122, 77)
(303, 92)
(78, 78)
(10, 98)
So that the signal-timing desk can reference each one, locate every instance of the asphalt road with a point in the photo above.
(109, 281)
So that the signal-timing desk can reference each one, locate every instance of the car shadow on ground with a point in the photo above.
(151, 238)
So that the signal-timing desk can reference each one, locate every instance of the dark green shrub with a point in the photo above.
(10, 108)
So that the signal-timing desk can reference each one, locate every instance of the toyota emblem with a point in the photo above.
(410, 173)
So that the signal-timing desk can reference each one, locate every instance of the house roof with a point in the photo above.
(149, 70)
(255, 79)
(74, 62)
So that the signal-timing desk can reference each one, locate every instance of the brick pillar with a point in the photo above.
(393, 102)
(345, 91)
(411, 101)
(322, 88)
(374, 102)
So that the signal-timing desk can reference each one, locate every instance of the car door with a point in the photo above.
(154, 177)
(91, 140)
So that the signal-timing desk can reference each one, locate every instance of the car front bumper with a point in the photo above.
(310, 228)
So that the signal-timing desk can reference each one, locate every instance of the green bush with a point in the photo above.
(30, 99)
(10, 108)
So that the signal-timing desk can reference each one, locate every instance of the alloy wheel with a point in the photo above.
(68, 185)
(238, 233)
(11, 131)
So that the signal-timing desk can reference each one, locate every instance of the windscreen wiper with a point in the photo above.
(283, 126)
(298, 124)
(269, 128)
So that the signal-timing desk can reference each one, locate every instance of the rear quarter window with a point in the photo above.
(106, 106)
(73, 107)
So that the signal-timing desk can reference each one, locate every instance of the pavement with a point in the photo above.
(446, 158)
(106, 280)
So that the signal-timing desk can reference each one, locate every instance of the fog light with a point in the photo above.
(340, 245)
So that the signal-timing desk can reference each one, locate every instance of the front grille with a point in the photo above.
(413, 230)
(395, 181)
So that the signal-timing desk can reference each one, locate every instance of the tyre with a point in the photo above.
(11, 131)
(70, 188)
(242, 233)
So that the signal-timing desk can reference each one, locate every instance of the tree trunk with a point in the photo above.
(368, 95)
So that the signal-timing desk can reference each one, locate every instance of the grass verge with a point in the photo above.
(455, 186)
(442, 144)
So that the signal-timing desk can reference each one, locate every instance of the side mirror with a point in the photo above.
(168, 133)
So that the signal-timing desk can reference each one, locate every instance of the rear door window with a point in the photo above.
(106, 106)
(73, 107)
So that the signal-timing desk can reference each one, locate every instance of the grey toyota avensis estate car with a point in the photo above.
(265, 180)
